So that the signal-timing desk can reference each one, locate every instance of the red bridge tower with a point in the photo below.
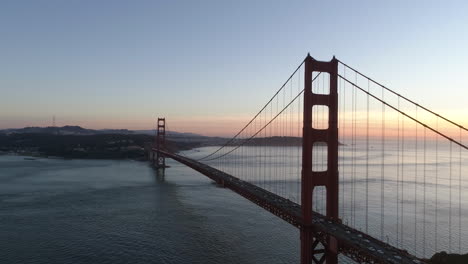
(312, 250)
(160, 161)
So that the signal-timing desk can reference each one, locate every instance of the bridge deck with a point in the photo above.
(352, 243)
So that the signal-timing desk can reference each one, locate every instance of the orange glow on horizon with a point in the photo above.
(228, 126)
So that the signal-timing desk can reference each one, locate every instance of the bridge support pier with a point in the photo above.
(316, 248)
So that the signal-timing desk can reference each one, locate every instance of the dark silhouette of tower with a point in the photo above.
(160, 161)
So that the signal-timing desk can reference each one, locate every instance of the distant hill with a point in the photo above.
(80, 131)
(77, 130)
(96, 146)
(65, 130)
(182, 137)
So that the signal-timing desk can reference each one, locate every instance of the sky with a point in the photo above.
(208, 66)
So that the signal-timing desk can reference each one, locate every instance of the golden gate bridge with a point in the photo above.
(362, 171)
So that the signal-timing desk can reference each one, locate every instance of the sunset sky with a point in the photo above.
(208, 66)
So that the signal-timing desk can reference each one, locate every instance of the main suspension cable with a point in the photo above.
(407, 99)
(256, 133)
(263, 108)
(267, 124)
(408, 116)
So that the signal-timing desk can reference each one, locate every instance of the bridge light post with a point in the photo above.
(310, 251)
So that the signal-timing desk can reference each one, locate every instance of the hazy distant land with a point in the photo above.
(78, 142)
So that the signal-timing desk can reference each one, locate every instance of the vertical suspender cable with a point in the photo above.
(257, 153)
(258, 147)
(367, 160)
(290, 172)
(382, 180)
(424, 197)
(353, 211)
(342, 130)
(355, 152)
(353, 105)
(398, 176)
(415, 184)
(291, 156)
(459, 194)
(276, 167)
(402, 180)
(265, 147)
(284, 123)
(344, 134)
(436, 185)
(299, 136)
(270, 180)
(450, 199)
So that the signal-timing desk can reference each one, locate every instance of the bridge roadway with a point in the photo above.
(352, 243)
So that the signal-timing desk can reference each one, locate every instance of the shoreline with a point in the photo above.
(34, 156)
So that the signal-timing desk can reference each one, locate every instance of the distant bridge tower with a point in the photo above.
(314, 250)
(160, 161)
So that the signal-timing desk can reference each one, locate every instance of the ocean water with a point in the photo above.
(412, 195)
(102, 211)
